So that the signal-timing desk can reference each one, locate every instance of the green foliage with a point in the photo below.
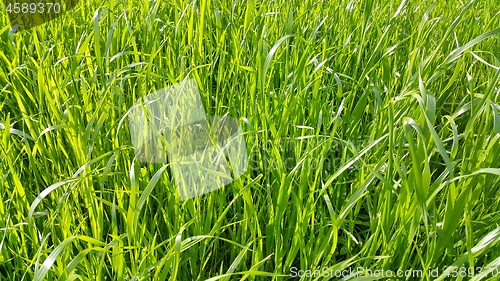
(373, 131)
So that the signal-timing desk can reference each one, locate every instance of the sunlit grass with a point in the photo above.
(373, 131)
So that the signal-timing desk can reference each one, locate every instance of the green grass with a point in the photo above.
(373, 129)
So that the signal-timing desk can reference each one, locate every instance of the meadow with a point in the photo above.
(372, 130)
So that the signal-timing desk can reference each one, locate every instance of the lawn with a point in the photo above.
(372, 133)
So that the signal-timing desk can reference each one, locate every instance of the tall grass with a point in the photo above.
(373, 131)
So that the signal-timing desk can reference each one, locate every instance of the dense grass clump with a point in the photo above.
(372, 128)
